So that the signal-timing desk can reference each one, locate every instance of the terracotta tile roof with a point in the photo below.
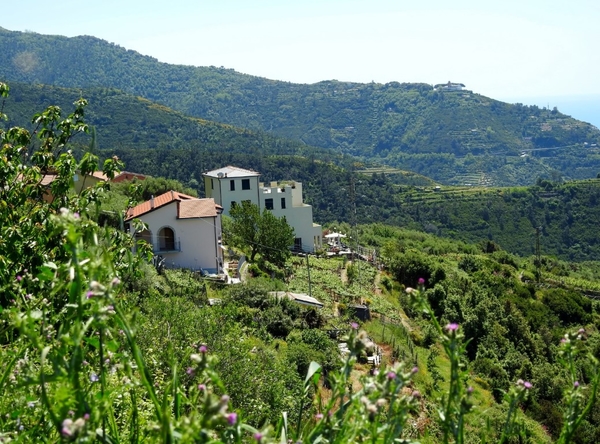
(48, 178)
(189, 206)
(100, 175)
(128, 175)
(231, 171)
(189, 209)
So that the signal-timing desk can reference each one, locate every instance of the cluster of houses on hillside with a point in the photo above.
(186, 231)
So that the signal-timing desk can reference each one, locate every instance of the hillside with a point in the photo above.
(124, 121)
(155, 140)
(454, 137)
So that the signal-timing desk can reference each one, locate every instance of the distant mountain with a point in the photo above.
(453, 136)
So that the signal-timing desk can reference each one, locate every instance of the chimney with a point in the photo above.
(152, 202)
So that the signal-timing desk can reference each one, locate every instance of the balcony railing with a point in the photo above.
(167, 246)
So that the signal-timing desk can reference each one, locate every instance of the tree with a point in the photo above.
(263, 234)
(244, 227)
(275, 238)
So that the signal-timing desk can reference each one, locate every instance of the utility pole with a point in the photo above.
(308, 271)
(538, 258)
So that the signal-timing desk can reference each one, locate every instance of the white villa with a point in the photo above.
(450, 86)
(230, 185)
(184, 230)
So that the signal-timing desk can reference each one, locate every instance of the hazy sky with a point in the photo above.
(530, 51)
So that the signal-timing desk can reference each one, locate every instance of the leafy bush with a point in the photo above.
(570, 307)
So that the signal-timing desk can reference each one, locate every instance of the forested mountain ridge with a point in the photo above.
(455, 137)
(155, 140)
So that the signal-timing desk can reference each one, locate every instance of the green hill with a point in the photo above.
(155, 140)
(455, 137)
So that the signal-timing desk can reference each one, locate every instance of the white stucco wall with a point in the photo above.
(197, 238)
(222, 194)
(298, 214)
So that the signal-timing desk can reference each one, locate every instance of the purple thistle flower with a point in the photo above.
(202, 349)
(201, 387)
(576, 384)
(86, 416)
(416, 394)
(319, 416)
(527, 385)
(391, 375)
(421, 281)
(258, 436)
(354, 326)
(232, 418)
(19, 277)
(89, 294)
(415, 370)
(469, 390)
(190, 371)
(452, 327)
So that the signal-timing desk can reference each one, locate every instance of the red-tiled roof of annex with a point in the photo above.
(189, 209)
(189, 206)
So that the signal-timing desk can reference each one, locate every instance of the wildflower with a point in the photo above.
(203, 349)
(409, 290)
(451, 328)
(76, 215)
(421, 281)
(89, 294)
(224, 399)
(94, 377)
(415, 370)
(391, 375)
(416, 394)
(195, 357)
(258, 436)
(190, 371)
(201, 387)
(232, 418)
(86, 416)
(19, 278)
(469, 390)
(116, 281)
(319, 416)
(67, 425)
(527, 385)
(576, 384)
